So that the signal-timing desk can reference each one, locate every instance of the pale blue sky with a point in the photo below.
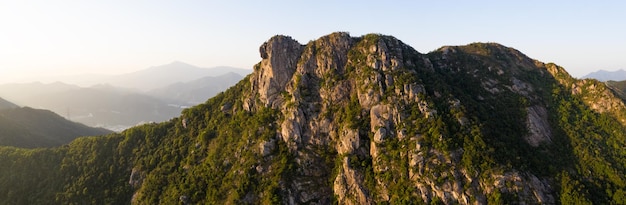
(44, 38)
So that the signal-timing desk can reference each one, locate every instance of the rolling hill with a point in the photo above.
(30, 128)
(98, 106)
(117, 102)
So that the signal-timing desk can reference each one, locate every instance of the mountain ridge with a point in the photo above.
(619, 87)
(196, 91)
(99, 106)
(174, 72)
(361, 120)
(604, 75)
(115, 107)
(153, 77)
(32, 128)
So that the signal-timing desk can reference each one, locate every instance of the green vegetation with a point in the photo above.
(202, 162)
(470, 121)
(596, 143)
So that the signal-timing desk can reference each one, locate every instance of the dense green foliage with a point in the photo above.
(202, 162)
(595, 144)
(586, 153)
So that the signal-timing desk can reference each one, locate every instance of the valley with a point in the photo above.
(118, 102)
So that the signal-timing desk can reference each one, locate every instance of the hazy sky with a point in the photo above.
(41, 38)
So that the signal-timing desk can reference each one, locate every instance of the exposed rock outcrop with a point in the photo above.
(537, 123)
(280, 56)
(375, 79)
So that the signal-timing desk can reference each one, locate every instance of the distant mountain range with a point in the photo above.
(154, 77)
(603, 75)
(99, 106)
(29, 128)
(196, 91)
(155, 94)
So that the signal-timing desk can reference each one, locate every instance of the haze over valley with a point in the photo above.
(117, 102)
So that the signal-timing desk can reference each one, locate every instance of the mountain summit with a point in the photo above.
(359, 120)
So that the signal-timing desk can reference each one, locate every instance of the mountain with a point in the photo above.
(603, 75)
(224, 70)
(356, 120)
(175, 72)
(16, 91)
(99, 106)
(196, 91)
(4, 104)
(154, 77)
(30, 128)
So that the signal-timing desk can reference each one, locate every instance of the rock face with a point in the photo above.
(538, 126)
(374, 100)
(280, 55)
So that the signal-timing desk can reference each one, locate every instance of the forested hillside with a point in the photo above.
(355, 120)
(30, 128)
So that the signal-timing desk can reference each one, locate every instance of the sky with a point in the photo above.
(63, 37)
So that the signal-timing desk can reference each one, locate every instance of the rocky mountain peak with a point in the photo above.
(376, 82)
(356, 94)
(330, 56)
(279, 56)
